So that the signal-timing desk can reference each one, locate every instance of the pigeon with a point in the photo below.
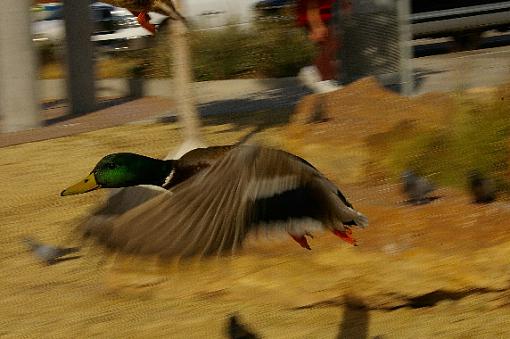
(49, 254)
(417, 188)
(482, 188)
(235, 330)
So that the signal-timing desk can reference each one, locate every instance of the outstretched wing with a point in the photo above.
(120, 202)
(249, 188)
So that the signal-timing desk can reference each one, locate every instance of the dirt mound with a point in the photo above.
(365, 108)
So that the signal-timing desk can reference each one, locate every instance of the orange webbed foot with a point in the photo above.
(301, 240)
(346, 236)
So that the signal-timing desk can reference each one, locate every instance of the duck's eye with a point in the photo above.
(111, 165)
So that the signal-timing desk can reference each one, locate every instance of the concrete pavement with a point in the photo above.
(58, 124)
(205, 92)
(464, 70)
(213, 97)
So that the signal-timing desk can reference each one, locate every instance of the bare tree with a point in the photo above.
(185, 103)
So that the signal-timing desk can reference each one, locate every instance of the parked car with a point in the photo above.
(43, 10)
(216, 14)
(115, 28)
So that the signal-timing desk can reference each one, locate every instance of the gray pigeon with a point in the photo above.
(47, 253)
(417, 188)
(235, 330)
(482, 188)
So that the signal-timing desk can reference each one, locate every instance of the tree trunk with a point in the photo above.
(185, 104)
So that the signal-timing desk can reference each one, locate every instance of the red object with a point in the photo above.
(143, 20)
(326, 59)
(345, 236)
(325, 11)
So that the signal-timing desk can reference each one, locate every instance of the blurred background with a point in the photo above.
(417, 134)
(446, 47)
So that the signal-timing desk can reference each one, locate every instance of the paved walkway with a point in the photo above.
(250, 98)
(58, 125)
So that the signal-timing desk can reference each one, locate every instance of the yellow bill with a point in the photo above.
(86, 185)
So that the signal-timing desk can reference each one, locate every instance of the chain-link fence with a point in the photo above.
(376, 41)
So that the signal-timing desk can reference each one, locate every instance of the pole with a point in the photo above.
(79, 57)
(406, 52)
(19, 107)
(185, 104)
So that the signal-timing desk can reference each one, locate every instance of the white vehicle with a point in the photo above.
(115, 28)
(209, 14)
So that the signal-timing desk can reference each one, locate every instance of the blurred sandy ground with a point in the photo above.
(439, 270)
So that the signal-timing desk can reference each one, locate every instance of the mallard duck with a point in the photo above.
(141, 9)
(218, 195)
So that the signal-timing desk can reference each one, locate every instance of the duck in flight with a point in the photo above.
(208, 201)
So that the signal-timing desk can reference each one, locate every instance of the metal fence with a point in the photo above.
(376, 41)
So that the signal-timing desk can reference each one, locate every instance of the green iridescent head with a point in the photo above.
(123, 170)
